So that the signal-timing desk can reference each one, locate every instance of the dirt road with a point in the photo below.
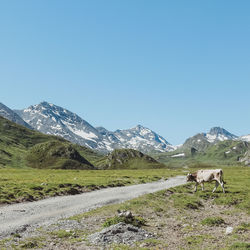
(28, 216)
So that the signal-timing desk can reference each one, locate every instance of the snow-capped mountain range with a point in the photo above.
(139, 137)
(51, 119)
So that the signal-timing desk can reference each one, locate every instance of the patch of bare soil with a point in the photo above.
(180, 229)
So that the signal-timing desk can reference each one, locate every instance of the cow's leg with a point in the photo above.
(202, 186)
(195, 187)
(222, 185)
(216, 185)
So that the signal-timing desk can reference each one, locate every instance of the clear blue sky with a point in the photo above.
(177, 67)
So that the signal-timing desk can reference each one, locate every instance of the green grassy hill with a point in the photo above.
(227, 152)
(56, 154)
(21, 147)
(128, 159)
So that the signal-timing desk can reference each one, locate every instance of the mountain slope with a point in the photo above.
(246, 158)
(16, 142)
(128, 159)
(218, 146)
(51, 119)
(228, 152)
(56, 154)
(201, 141)
(12, 116)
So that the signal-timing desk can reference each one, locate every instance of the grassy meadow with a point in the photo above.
(178, 217)
(17, 185)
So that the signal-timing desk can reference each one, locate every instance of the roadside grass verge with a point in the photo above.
(18, 185)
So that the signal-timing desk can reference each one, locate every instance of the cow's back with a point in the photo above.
(208, 174)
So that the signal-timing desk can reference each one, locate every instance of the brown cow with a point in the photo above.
(207, 175)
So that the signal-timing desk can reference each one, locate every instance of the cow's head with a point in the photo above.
(190, 177)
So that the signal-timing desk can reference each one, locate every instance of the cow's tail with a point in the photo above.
(221, 174)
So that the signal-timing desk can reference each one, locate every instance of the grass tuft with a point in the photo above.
(240, 245)
(212, 221)
(135, 221)
(244, 227)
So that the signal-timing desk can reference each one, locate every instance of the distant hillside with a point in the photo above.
(56, 154)
(128, 159)
(201, 141)
(228, 152)
(17, 142)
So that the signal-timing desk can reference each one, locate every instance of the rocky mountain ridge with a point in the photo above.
(12, 116)
(51, 119)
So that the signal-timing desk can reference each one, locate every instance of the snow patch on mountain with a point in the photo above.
(245, 138)
(178, 155)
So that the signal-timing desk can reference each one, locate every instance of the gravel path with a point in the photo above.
(17, 218)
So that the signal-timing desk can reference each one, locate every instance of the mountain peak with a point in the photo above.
(46, 104)
(218, 130)
(51, 119)
(219, 134)
(142, 129)
(139, 126)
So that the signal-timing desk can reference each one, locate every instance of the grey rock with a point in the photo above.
(125, 213)
(119, 233)
(229, 230)
(246, 158)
